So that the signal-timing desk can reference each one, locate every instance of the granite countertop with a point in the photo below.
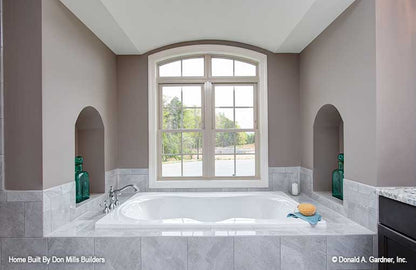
(401, 194)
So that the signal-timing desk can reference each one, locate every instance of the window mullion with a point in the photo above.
(208, 164)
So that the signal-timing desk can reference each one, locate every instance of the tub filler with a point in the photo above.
(204, 210)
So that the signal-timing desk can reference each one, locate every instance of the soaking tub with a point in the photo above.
(196, 210)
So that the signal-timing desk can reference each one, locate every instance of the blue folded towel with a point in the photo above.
(313, 220)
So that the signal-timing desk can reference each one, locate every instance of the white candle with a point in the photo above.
(295, 189)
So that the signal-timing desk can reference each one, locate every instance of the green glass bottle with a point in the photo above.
(338, 178)
(82, 183)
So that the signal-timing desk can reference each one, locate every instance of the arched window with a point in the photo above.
(207, 124)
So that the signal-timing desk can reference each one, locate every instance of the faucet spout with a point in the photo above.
(134, 187)
(113, 195)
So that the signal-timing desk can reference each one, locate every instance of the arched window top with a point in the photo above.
(208, 65)
(208, 117)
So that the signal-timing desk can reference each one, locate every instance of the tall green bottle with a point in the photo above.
(82, 181)
(338, 178)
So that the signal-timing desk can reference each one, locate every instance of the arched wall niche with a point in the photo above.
(328, 142)
(89, 143)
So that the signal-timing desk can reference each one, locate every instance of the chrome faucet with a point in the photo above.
(113, 197)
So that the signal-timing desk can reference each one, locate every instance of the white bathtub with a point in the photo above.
(196, 210)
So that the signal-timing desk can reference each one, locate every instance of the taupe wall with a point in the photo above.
(396, 92)
(327, 143)
(22, 94)
(339, 68)
(78, 70)
(132, 112)
(283, 82)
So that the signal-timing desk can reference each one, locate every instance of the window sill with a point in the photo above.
(258, 183)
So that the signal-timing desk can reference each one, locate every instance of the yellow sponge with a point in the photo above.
(307, 209)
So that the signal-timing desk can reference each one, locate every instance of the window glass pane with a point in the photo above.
(192, 143)
(224, 165)
(244, 69)
(170, 93)
(244, 118)
(191, 96)
(222, 67)
(224, 96)
(244, 96)
(172, 69)
(245, 143)
(224, 118)
(192, 165)
(171, 166)
(245, 165)
(171, 143)
(193, 67)
(191, 118)
(224, 142)
(172, 116)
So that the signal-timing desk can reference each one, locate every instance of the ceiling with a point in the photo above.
(138, 26)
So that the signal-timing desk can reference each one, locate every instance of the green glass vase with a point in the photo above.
(82, 182)
(338, 179)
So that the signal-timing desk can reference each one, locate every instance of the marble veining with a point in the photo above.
(401, 194)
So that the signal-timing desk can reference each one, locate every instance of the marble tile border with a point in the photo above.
(360, 202)
(60, 208)
(280, 179)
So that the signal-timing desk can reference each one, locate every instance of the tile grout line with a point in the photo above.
(233, 253)
(141, 260)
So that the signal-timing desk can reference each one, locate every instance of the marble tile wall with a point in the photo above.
(60, 208)
(21, 214)
(196, 253)
(280, 179)
(360, 201)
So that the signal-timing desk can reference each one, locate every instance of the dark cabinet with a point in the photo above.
(396, 234)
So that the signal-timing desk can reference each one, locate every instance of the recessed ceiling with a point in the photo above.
(138, 26)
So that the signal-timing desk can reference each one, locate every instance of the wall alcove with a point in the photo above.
(89, 143)
(328, 142)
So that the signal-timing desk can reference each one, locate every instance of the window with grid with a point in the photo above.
(208, 126)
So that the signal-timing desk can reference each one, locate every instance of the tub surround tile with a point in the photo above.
(349, 246)
(360, 201)
(12, 221)
(210, 253)
(119, 253)
(303, 252)
(24, 196)
(23, 247)
(33, 219)
(257, 252)
(71, 246)
(160, 253)
(60, 210)
(305, 181)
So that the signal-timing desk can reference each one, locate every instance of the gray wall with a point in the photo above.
(283, 94)
(396, 92)
(339, 68)
(22, 94)
(78, 70)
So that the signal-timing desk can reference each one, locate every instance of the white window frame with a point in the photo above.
(262, 125)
